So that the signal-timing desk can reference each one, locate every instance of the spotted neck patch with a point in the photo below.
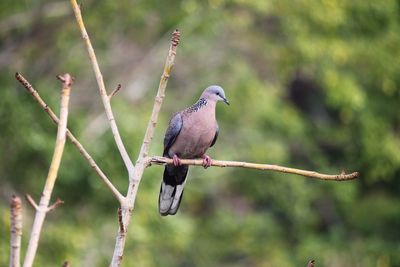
(196, 106)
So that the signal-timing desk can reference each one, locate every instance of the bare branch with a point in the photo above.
(66, 79)
(148, 137)
(103, 93)
(265, 167)
(142, 163)
(135, 174)
(114, 92)
(71, 137)
(32, 202)
(57, 203)
(53, 171)
(16, 231)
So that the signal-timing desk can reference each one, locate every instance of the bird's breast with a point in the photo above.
(196, 136)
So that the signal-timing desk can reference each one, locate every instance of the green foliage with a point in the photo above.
(312, 84)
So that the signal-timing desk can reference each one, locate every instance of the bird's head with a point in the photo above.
(215, 93)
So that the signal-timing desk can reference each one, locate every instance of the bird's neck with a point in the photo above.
(202, 104)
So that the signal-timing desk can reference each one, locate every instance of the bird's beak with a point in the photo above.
(226, 101)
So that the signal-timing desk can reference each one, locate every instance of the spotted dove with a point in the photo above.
(189, 134)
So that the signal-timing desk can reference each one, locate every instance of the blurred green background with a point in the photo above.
(312, 85)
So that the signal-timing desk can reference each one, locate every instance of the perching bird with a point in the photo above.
(190, 133)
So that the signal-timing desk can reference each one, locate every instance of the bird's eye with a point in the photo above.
(217, 93)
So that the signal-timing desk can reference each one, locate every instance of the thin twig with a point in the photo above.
(71, 137)
(148, 137)
(57, 203)
(31, 201)
(16, 231)
(141, 162)
(265, 167)
(103, 93)
(114, 92)
(53, 171)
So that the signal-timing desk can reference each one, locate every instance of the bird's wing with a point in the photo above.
(173, 130)
(215, 136)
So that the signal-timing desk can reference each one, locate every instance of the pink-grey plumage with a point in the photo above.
(189, 134)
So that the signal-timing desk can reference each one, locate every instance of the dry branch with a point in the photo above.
(16, 231)
(265, 167)
(148, 137)
(57, 203)
(103, 93)
(136, 172)
(71, 137)
(141, 162)
(114, 92)
(53, 171)
(31, 201)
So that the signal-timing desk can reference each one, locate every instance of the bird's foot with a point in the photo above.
(207, 161)
(176, 161)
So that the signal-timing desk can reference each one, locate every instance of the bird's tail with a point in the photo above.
(171, 190)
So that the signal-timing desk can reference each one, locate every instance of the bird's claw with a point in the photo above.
(207, 161)
(176, 161)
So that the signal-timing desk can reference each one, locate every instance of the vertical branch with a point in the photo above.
(16, 231)
(135, 172)
(160, 95)
(67, 80)
(103, 93)
(143, 161)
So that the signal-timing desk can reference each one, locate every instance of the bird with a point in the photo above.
(189, 134)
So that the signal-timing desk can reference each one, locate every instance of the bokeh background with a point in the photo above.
(312, 85)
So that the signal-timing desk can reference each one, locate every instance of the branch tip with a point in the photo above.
(55, 205)
(23, 81)
(311, 263)
(115, 91)
(52, 173)
(66, 79)
(31, 201)
(15, 202)
(176, 36)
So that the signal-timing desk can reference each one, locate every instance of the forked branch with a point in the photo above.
(136, 172)
(71, 137)
(265, 167)
(103, 93)
(134, 181)
(42, 209)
